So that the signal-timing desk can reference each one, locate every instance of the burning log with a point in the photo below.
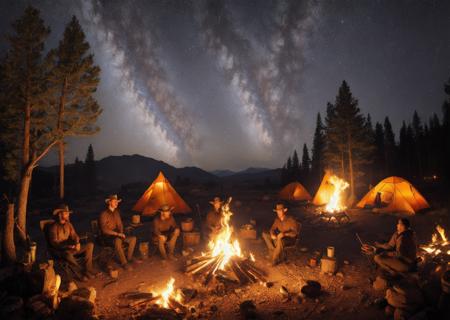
(439, 248)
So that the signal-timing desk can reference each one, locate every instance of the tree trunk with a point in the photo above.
(25, 183)
(350, 169)
(61, 169)
(9, 248)
(62, 102)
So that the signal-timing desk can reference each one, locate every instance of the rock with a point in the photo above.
(39, 307)
(268, 284)
(312, 289)
(213, 308)
(75, 307)
(87, 293)
(188, 294)
(284, 291)
(248, 309)
(380, 284)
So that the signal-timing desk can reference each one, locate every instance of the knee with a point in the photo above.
(89, 246)
(176, 233)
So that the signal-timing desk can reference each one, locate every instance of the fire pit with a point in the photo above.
(224, 260)
(439, 249)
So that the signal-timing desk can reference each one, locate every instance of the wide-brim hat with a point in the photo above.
(280, 206)
(112, 197)
(62, 208)
(166, 207)
(216, 200)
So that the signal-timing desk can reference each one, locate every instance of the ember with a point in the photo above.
(225, 258)
(170, 298)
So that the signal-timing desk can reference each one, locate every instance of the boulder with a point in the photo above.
(74, 308)
(380, 284)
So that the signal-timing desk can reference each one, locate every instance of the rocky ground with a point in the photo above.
(348, 293)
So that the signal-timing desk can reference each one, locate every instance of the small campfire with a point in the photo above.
(439, 248)
(224, 260)
(335, 208)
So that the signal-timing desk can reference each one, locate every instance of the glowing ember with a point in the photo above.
(336, 202)
(252, 257)
(438, 249)
(168, 294)
(441, 232)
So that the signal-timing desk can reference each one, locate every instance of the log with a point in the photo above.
(135, 303)
(246, 272)
(243, 278)
(193, 269)
(209, 275)
(254, 268)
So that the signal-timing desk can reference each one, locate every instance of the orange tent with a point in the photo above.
(158, 194)
(294, 191)
(398, 194)
(325, 191)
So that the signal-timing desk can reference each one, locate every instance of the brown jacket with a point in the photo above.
(404, 245)
(164, 226)
(289, 226)
(110, 222)
(60, 236)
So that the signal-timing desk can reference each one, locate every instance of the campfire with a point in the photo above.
(336, 200)
(439, 248)
(224, 260)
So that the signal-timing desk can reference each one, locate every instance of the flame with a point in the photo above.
(167, 294)
(222, 244)
(335, 204)
(252, 257)
(441, 232)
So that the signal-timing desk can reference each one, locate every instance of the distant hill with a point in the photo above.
(223, 173)
(254, 177)
(115, 171)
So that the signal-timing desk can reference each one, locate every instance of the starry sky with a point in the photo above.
(236, 84)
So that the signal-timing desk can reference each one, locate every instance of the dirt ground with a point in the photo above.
(347, 294)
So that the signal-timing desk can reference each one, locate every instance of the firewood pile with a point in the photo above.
(238, 269)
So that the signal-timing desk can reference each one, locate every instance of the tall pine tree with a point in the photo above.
(90, 171)
(346, 136)
(389, 148)
(75, 79)
(296, 169)
(317, 161)
(306, 165)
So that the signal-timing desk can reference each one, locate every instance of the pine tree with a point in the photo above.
(306, 164)
(75, 79)
(346, 136)
(28, 102)
(90, 171)
(446, 132)
(389, 147)
(296, 169)
(317, 162)
(289, 170)
(369, 167)
(418, 132)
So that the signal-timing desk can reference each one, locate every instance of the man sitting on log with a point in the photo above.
(283, 232)
(399, 254)
(111, 231)
(64, 243)
(214, 219)
(166, 231)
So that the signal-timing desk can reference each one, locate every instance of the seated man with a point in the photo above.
(166, 231)
(284, 231)
(64, 243)
(111, 231)
(399, 254)
(214, 219)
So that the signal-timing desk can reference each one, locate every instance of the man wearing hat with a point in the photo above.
(111, 231)
(214, 218)
(284, 231)
(166, 231)
(64, 242)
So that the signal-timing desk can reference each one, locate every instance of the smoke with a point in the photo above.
(128, 38)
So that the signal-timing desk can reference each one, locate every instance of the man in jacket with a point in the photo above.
(166, 232)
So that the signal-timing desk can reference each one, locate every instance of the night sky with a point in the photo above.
(235, 84)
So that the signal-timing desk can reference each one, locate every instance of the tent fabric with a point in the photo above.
(399, 195)
(324, 192)
(294, 191)
(158, 194)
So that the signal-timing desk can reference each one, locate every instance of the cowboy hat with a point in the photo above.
(216, 200)
(62, 208)
(112, 197)
(166, 208)
(280, 206)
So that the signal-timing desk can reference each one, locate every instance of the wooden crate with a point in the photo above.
(247, 234)
(191, 239)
